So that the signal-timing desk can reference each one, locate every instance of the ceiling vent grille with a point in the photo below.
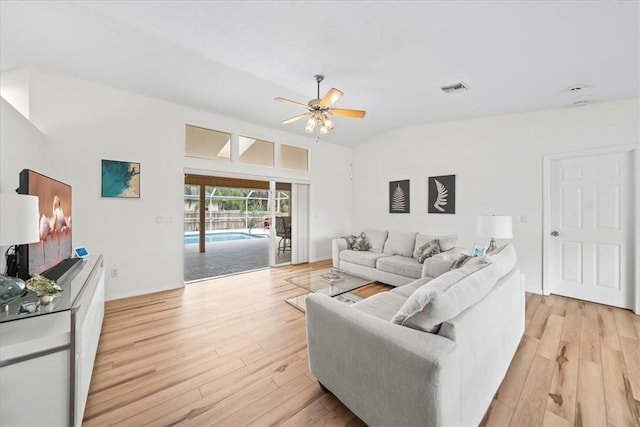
(456, 87)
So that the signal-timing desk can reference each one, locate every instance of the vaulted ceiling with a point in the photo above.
(388, 57)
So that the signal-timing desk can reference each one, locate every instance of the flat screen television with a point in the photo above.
(55, 224)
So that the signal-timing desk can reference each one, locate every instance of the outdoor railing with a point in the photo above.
(226, 220)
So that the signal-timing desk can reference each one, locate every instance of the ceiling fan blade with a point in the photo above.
(288, 101)
(298, 117)
(358, 114)
(332, 96)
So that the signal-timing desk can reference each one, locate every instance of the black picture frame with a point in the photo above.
(399, 197)
(441, 197)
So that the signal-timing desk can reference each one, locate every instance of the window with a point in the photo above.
(207, 144)
(255, 151)
(294, 158)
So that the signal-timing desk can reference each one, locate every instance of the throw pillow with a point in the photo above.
(361, 243)
(349, 239)
(446, 242)
(462, 260)
(428, 250)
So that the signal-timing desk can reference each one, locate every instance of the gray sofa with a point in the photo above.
(392, 256)
(377, 357)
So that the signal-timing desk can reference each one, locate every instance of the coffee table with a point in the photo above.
(340, 288)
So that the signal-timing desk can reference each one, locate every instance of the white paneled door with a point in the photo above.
(591, 229)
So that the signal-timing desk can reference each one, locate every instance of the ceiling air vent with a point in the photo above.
(456, 87)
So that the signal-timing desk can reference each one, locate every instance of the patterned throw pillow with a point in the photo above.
(349, 239)
(462, 260)
(428, 250)
(361, 243)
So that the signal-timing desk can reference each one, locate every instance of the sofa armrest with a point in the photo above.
(440, 263)
(385, 373)
(337, 245)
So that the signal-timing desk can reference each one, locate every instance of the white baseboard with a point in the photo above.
(143, 291)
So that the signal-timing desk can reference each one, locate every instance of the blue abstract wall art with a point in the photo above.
(120, 179)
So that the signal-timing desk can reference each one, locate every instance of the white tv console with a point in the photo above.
(46, 358)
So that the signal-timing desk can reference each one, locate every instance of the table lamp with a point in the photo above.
(19, 224)
(496, 227)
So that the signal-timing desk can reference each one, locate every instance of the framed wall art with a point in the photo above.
(442, 194)
(478, 249)
(399, 197)
(120, 179)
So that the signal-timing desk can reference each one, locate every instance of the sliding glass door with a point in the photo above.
(238, 225)
(226, 226)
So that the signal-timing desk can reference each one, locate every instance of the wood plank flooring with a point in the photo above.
(231, 352)
(577, 365)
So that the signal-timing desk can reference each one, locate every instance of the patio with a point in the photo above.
(230, 257)
(222, 258)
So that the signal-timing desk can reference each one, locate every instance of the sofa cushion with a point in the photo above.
(400, 243)
(450, 294)
(383, 305)
(364, 258)
(376, 238)
(429, 249)
(396, 264)
(446, 242)
(409, 288)
(360, 243)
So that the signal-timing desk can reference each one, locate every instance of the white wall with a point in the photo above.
(26, 148)
(85, 122)
(498, 166)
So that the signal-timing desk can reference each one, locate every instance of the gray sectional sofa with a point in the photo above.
(430, 353)
(392, 257)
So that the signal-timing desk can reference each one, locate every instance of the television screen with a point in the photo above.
(55, 223)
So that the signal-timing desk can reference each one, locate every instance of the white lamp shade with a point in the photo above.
(495, 226)
(19, 219)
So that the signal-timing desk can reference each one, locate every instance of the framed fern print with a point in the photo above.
(442, 194)
(399, 196)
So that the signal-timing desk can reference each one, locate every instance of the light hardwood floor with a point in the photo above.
(231, 352)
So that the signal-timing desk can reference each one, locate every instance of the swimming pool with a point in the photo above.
(220, 237)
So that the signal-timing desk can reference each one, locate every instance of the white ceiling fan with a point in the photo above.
(320, 108)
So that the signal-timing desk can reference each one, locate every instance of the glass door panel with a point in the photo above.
(281, 233)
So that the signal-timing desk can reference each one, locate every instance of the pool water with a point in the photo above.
(219, 237)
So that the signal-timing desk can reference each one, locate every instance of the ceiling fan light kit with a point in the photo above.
(319, 110)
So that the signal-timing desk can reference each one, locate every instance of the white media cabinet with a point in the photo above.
(46, 358)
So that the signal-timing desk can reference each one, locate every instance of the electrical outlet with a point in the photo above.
(523, 219)
(114, 272)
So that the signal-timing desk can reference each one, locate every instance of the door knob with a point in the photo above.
(555, 233)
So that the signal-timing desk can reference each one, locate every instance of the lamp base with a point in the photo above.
(11, 288)
(492, 245)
